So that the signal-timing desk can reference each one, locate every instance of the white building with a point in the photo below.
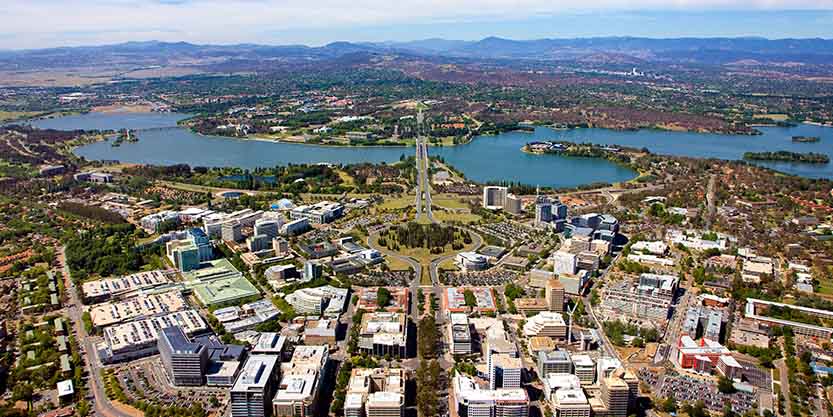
(471, 261)
(564, 263)
(470, 400)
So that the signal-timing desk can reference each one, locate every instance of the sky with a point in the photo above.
(27, 24)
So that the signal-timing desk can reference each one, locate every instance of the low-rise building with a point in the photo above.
(376, 392)
(326, 300)
(548, 324)
(383, 333)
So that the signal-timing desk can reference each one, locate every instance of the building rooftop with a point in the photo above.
(149, 305)
(269, 343)
(135, 334)
(179, 342)
(255, 373)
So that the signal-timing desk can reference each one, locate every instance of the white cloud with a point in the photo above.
(37, 23)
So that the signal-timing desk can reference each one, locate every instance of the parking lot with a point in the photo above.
(692, 389)
(146, 380)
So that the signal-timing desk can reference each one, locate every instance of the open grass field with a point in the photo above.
(397, 203)
(14, 115)
(465, 218)
(449, 201)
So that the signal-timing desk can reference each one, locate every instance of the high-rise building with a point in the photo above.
(514, 204)
(555, 295)
(298, 392)
(564, 263)
(460, 334)
(584, 368)
(252, 393)
(543, 210)
(312, 270)
(203, 243)
(555, 362)
(280, 246)
(615, 394)
(473, 401)
(505, 371)
(232, 231)
(184, 360)
(184, 254)
(257, 243)
(559, 210)
(267, 226)
(494, 197)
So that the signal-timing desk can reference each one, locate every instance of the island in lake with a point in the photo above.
(806, 139)
(787, 156)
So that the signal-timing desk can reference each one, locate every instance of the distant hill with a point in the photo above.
(708, 51)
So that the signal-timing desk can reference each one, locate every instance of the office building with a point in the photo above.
(257, 243)
(543, 210)
(454, 300)
(184, 254)
(505, 371)
(252, 393)
(320, 332)
(459, 331)
(564, 263)
(312, 270)
(470, 400)
(588, 261)
(300, 385)
(570, 402)
(280, 246)
(295, 227)
(514, 204)
(368, 299)
(138, 338)
(555, 295)
(384, 333)
(729, 367)
(232, 231)
(559, 381)
(471, 261)
(376, 392)
(494, 198)
(185, 361)
(325, 300)
(584, 368)
(269, 343)
(615, 395)
(267, 226)
(318, 213)
(548, 324)
(554, 362)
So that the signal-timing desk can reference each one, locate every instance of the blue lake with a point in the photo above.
(486, 158)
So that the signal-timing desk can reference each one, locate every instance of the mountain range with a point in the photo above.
(707, 51)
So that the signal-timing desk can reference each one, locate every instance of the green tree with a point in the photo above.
(382, 297)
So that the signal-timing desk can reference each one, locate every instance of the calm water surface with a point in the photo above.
(486, 158)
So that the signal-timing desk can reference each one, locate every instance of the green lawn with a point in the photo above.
(826, 287)
(397, 203)
(445, 216)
